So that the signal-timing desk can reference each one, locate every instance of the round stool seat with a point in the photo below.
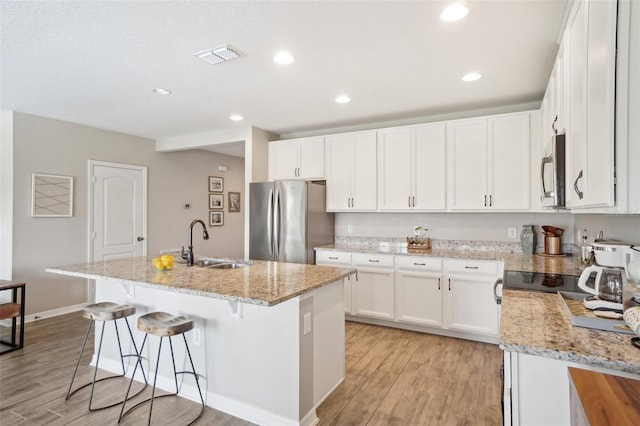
(107, 311)
(164, 324)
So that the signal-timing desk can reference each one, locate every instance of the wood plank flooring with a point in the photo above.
(393, 377)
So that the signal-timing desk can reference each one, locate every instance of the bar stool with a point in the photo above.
(107, 311)
(163, 325)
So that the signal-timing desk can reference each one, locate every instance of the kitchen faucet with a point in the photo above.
(188, 254)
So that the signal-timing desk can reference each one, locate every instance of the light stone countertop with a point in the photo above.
(566, 265)
(535, 324)
(263, 283)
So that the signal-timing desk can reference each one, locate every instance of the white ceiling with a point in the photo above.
(94, 63)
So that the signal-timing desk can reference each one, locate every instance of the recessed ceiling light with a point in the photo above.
(343, 99)
(283, 58)
(236, 117)
(472, 76)
(160, 91)
(455, 12)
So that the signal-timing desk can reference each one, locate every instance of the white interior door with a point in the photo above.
(118, 202)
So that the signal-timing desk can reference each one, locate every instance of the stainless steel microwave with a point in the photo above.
(552, 173)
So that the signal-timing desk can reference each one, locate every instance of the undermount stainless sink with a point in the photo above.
(221, 263)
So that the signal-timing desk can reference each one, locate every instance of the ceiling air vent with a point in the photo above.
(218, 54)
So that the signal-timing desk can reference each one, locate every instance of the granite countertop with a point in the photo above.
(534, 323)
(262, 283)
(566, 265)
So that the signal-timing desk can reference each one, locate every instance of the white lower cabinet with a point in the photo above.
(421, 292)
(469, 302)
(373, 292)
(418, 283)
(342, 260)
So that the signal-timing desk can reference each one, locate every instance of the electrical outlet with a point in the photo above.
(196, 336)
(349, 229)
(307, 323)
(512, 232)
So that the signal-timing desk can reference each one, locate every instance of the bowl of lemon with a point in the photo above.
(164, 262)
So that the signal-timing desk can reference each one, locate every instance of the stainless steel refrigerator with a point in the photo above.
(288, 219)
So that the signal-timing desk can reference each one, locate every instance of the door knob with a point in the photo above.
(140, 238)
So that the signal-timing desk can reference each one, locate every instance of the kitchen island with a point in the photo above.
(268, 339)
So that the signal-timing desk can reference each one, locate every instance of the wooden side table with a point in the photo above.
(12, 310)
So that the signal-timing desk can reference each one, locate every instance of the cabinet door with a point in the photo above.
(418, 298)
(509, 161)
(311, 165)
(373, 293)
(339, 168)
(394, 169)
(467, 163)
(601, 48)
(284, 160)
(364, 175)
(576, 104)
(470, 305)
(429, 167)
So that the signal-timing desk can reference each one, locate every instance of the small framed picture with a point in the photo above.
(234, 202)
(216, 218)
(216, 184)
(216, 201)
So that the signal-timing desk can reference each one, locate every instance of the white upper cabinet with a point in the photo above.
(591, 48)
(411, 168)
(351, 171)
(297, 159)
(489, 163)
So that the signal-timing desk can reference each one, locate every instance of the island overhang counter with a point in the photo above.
(268, 341)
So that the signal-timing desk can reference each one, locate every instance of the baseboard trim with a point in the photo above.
(54, 312)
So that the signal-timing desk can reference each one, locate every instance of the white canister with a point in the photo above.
(632, 318)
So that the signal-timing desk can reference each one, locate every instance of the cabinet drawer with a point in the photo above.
(327, 257)
(373, 260)
(472, 266)
(417, 263)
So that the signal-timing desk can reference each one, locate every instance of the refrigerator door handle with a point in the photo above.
(270, 223)
(276, 225)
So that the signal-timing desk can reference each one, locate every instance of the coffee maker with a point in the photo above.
(609, 274)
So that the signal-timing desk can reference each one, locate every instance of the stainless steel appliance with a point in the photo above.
(287, 220)
(552, 173)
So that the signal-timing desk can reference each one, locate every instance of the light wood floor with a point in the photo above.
(394, 377)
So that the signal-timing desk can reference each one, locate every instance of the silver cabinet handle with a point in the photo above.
(485, 200)
(140, 238)
(413, 201)
(419, 264)
(449, 284)
(497, 298)
(438, 283)
(490, 200)
(575, 186)
(333, 258)
(374, 261)
(471, 267)
(409, 201)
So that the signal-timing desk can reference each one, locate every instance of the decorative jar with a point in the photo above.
(528, 239)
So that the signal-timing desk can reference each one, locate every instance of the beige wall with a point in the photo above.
(56, 147)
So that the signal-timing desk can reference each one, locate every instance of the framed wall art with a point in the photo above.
(216, 218)
(216, 201)
(51, 195)
(234, 202)
(216, 184)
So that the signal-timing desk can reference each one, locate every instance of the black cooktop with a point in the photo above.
(543, 282)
